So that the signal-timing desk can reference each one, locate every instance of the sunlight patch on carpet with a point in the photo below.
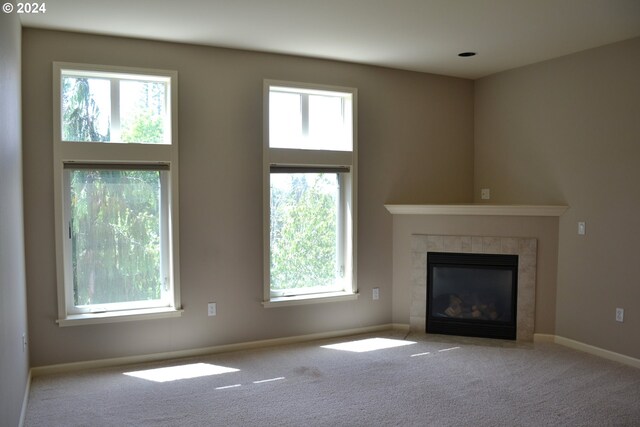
(269, 380)
(181, 372)
(370, 344)
(228, 386)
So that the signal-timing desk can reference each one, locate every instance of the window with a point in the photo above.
(310, 119)
(309, 193)
(114, 107)
(116, 199)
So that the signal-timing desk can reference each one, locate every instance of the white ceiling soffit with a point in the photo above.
(418, 35)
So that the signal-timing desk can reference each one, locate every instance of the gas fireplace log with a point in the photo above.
(455, 306)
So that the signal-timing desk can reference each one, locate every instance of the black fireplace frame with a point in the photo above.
(473, 327)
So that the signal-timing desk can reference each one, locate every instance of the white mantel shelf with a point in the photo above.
(478, 209)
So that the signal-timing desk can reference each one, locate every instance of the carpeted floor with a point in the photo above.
(426, 380)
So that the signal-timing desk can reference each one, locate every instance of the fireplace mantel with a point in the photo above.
(478, 209)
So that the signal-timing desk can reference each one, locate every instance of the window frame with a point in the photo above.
(312, 160)
(166, 298)
(125, 156)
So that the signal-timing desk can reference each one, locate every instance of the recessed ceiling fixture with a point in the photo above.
(467, 54)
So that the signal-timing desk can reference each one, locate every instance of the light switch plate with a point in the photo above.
(582, 228)
(212, 309)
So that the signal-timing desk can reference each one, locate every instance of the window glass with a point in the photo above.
(114, 107)
(285, 120)
(310, 119)
(304, 231)
(327, 127)
(143, 111)
(115, 236)
(86, 109)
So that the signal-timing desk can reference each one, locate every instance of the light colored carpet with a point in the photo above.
(430, 381)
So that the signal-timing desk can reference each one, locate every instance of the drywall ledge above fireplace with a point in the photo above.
(478, 209)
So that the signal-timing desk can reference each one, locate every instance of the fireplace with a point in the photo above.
(525, 248)
(472, 294)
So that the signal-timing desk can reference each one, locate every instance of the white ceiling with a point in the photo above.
(419, 35)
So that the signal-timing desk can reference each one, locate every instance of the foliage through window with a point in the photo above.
(304, 231)
(115, 219)
(109, 107)
(309, 161)
(115, 205)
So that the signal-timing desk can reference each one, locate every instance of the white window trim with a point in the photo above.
(311, 158)
(106, 153)
(310, 299)
(116, 317)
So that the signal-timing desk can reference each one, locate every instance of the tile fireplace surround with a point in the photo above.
(525, 248)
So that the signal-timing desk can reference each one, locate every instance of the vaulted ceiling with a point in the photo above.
(418, 35)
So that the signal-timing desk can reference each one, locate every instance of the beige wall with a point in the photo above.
(415, 141)
(568, 131)
(544, 229)
(14, 361)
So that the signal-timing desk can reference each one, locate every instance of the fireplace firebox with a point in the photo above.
(472, 294)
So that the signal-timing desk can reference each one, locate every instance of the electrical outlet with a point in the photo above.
(485, 193)
(376, 293)
(619, 314)
(212, 309)
(24, 342)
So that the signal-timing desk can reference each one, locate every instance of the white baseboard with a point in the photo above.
(596, 351)
(127, 360)
(400, 326)
(25, 401)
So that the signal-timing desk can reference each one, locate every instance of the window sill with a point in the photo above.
(119, 316)
(310, 299)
